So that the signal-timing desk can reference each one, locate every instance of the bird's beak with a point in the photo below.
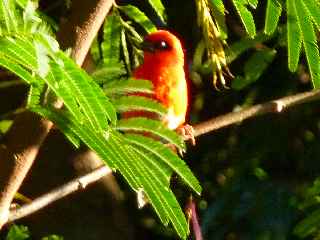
(147, 46)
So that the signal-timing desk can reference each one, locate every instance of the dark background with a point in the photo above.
(254, 174)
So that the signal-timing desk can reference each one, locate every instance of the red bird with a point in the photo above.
(164, 65)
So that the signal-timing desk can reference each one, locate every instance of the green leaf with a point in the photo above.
(61, 119)
(12, 66)
(151, 126)
(30, 18)
(150, 189)
(254, 68)
(237, 48)
(104, 74)
(159, 168)
(35, 56)
(42, 59)
(22, 3)
(218, 12)
(313, 7)
(246, 16)
(139, 103)
(294, 36)
(308, 225)
(111, 40)
(139, 17)
(159, 9)
(309, 42)
(166, 203)
(20, 50)
(253, 3)
(273, 13)
(5, 125)
(219, 5)
(167, 156)
(8, 18)
(18, 233)
(35, 94)
(52, 237)
(88, 94)
(125, 51)
(128, 86)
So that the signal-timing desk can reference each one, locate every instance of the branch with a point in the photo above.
(23, 140)
(275, 106)
(77, 184)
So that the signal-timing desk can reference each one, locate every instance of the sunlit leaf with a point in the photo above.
(159, 9)
(139, 103)
(273, 13)
(246, 15)
(111, 40)
(139, 17)
(148, 125)
(294, 36)
(309, 42)
(128, 86)
(167, 156)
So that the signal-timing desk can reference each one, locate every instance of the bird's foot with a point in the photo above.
(187, 132)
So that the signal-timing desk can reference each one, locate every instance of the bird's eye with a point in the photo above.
(162, 45)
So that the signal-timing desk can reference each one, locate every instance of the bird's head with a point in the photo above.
(162, 46)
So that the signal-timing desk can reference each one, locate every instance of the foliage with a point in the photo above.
(263, 168)
(310, 224)
(302, 23)
(20, 232)
(251, 209)
(30, 51)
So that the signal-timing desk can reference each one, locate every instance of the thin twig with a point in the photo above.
(58, 193)
(275, 106)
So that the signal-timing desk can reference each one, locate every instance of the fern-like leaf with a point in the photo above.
(12, 66)
(139, 103)
(104, 74)
(294, 36)
(61, 119)
(245, 15)
(168, 157)
(159, 9)
(218, 12)
(8, 19)
(166, 200)
(157, 128)
(111, 36)
(125, 51)
(309, 41)
(139, 17)
(35, 95)
(91, 99)
(128, 86)
(313, 7)
(273, 13)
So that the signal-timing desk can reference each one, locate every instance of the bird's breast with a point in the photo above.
(170, 89)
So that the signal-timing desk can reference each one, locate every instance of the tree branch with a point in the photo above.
(23, 140)
(275, 106)
(58, 193)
